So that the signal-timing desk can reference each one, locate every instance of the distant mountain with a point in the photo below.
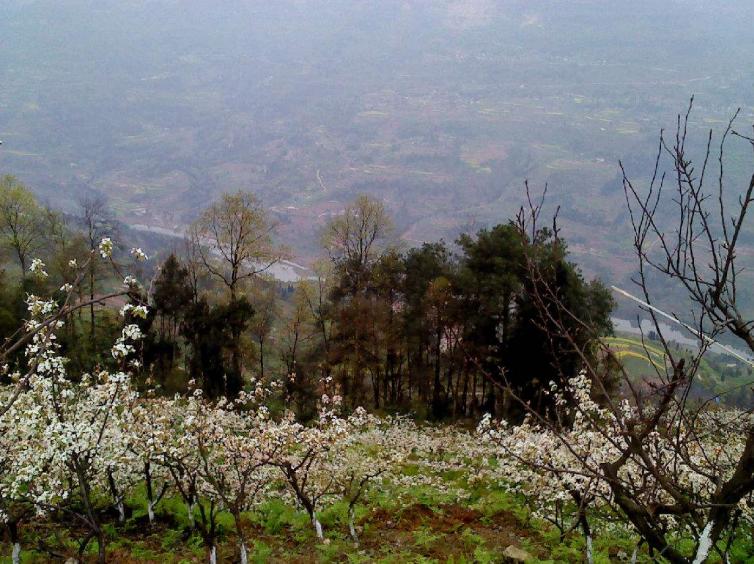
(441, 108)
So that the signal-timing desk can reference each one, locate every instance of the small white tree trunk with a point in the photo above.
(244, 557)
(121, 511)
(213, 554)
(589, 550)
(190, 512)
(705, 544)
(16, 553)
(351, 526)
(150, 511)
(317, 527)
(635, 555)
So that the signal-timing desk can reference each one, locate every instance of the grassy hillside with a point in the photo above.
(718, 375)
(454, 521)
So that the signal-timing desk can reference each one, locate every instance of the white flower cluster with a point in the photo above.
(134, 310)
(38, 268)
(560, 469)
(138, 254)
(61, 434)
(122, 347)
(106, 248)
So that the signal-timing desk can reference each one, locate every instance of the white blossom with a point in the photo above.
(138, 254)
(106, 248)
(38, 268)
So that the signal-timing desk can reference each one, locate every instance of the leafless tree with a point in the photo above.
(97, 222)
(683, 230)
(233, 238)
(358, 237)
(264, 299)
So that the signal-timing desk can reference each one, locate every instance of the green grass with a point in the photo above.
(406, 524)
(643, 359)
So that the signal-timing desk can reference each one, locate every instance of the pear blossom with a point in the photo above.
(106, 248)
(135, 310)
(138, 254)
(38, 268)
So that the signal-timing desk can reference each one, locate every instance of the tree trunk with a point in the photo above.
(150, 492)
(213, 554)
(464, 393)
(231, 390)
(101, 547)
(96, 530)
(244, 557)
(705, 544)
(241, 535)
(375, 387)
(352, 527)
(261, 358)
(117, 498)
(317, 527)
(91, 306)
(16, 556)
(437, 384)
(12, 527)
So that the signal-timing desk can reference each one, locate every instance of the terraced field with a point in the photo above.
(718, 375)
